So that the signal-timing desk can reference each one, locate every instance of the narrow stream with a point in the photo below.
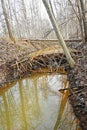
(34, 103)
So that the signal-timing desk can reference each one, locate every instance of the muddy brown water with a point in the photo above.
(35, 103)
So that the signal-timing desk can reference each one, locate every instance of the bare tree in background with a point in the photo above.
(18, 29)
(6, 15)
(28, 19)
(84, 18)
(79, 18)
(25, 18)
(58, 34)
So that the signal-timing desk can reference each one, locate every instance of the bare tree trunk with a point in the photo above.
(7, 20)
(25, 18)
(50, 3)
(78, 17)
(80, 21)
(17, 22)
(84, 18)
(58, 34)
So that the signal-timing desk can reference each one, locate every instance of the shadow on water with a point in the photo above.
(35, 103)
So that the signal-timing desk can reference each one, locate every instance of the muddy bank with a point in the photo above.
(16, 62)
(78, 86)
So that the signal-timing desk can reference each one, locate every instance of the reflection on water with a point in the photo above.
(35, 104)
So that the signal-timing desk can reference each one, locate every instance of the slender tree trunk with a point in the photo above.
(84, 18)
(17, 22)
(50, 3)
(78, 17)
(6, 15)
(59, 36)
(80, 22)
(25, 18)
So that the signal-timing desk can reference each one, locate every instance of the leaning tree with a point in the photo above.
(58, 33)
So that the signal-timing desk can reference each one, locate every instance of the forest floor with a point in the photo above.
(25, 57)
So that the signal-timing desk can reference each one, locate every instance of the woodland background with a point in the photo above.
(29, 19)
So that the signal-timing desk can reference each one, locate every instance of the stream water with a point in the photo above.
(35, 103)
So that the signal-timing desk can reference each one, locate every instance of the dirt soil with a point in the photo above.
(20, 59)
(78, 85)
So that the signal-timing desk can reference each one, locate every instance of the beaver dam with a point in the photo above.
(35, 83)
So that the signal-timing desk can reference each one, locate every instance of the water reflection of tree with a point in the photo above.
(37, 110)
(30, 99)
(43, 84)
(20, 115)
(61, 110)
(6, 112)
(65, 119)
(22, 105)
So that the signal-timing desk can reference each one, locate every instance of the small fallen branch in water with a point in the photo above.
(63, 90)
